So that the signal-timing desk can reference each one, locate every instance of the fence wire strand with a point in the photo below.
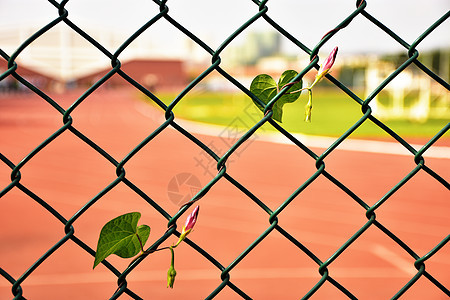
(225, 271)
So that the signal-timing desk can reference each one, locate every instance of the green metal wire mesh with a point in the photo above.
(261, 14)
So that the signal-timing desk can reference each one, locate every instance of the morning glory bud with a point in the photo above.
(308, 108)
(191, 219)
(328, 63)
(190, 222)
(326, 66)
(171, 273)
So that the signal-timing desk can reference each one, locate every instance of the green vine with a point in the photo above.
(121, 236)
(265, 88)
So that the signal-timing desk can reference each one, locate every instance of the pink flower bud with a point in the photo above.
(328, 63)
(190, 222)
(325, 67)
(191, 219)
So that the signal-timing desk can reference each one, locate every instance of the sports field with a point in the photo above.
(334, 112)
(67, 173)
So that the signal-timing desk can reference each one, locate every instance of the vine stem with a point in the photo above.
(302, 89)
(172, 262)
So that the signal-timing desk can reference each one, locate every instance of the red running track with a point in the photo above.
(67, 173)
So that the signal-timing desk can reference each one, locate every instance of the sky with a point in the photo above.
(214, 20)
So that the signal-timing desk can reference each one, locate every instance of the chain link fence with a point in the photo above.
(222, 173)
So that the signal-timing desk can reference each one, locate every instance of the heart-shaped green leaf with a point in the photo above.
(121, 236)
(265, 88)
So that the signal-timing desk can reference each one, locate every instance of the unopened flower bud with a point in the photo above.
(308, 107)
(171, 273)
(189, 225)
(329, 62)
(326, 66)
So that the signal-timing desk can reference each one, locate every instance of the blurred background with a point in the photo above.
(165, 60)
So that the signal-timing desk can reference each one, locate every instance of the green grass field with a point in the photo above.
(333, 114)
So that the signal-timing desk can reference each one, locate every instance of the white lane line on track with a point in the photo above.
(370, 146)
